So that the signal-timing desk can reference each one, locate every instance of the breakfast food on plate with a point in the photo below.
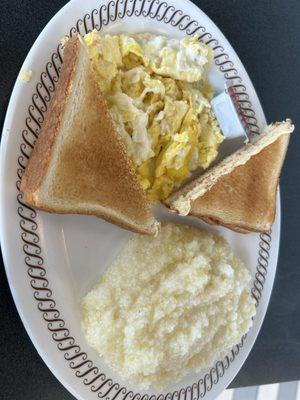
(239, 192)
(79, 163)
(124, 128)
(159, 99)
(168, 305)
(130, 121)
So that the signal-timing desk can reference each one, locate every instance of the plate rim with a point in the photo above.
(4, 239)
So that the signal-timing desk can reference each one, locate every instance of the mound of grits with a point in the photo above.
(168, 305)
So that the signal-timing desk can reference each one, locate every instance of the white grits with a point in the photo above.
(168, 306)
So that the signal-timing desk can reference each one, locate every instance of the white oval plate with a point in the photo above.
(51, 260)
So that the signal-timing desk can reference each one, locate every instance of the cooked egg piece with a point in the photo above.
(183, 59)
(159, 99)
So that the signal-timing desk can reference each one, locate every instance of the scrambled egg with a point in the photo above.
(159, 99)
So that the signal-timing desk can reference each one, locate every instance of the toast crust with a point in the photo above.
(212, 221)
(89, 172)
(152, 229)
(41, 154)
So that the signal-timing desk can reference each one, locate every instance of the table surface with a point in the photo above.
(266, 36)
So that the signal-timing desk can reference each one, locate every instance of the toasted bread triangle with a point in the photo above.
(79, 164)
(245, 199)
(181, 201)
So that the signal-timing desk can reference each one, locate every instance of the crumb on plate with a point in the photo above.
(25, 76)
